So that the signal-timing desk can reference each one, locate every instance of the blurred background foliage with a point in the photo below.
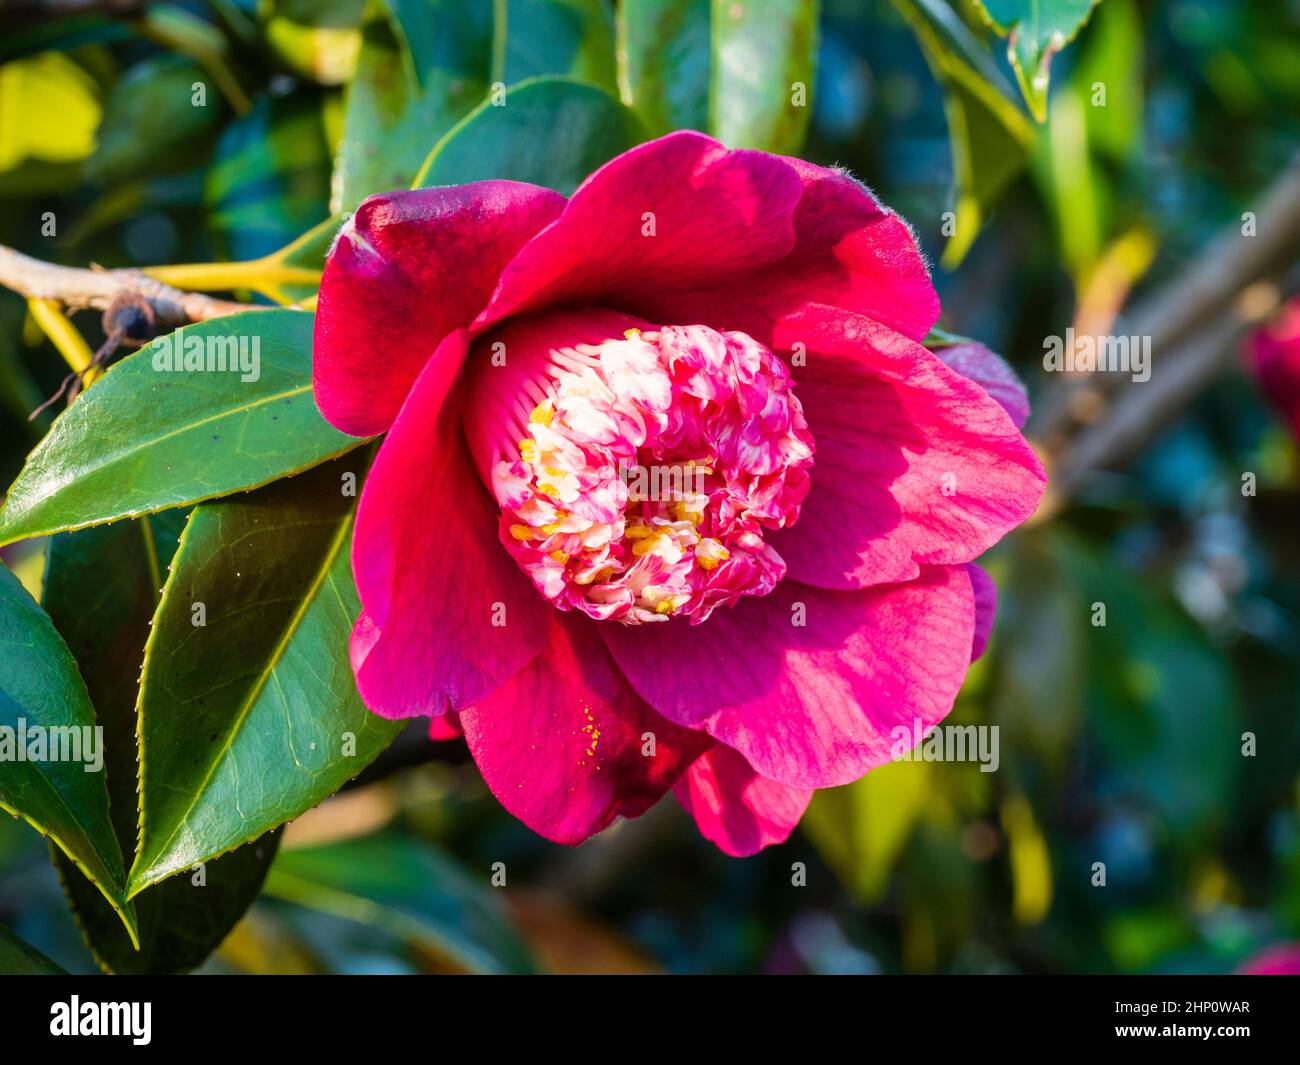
(1120, 744)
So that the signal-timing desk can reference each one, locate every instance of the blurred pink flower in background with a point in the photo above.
(750, 325)
(1273, 352)
(1282, 959)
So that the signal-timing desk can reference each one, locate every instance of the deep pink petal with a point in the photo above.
(736, 808)
(563, 744)
(986, 607)
(445, 728)
(405, 270)
(447, 617)
(991, 372)
(810, 705)
(1273, 352)
(850, 252)
(915, 464)
(717, 216)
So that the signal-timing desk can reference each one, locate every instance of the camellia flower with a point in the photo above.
(1274, 355)
(671, 494)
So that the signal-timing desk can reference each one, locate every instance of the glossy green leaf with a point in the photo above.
(63, 797)
(764, 65)
(549, 131)
(252, 717)
(102, 586)
(1035, 30)
(21, 959)
(421, 69)
(409, 889)
(567, 37)
(990, 136)
(664, 62)
(425, 64)
(742, 72)
(144, 439)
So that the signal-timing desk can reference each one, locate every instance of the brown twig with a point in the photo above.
(1196, 322)
(78, 288)
(1197, 298)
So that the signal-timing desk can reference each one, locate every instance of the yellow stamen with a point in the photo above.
(528, 450)
(521, 532)
(664, 606)
(560, 556)
(645, 546)
(631, 334)
(542, 413)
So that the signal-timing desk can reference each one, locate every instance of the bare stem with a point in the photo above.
(76, 288)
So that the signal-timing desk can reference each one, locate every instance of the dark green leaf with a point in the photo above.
(408, 889)
(145, 439)
(101, 589)
(151, 124)
(62, 797)
(549, 131)
(20, 959)
(572, 37)
(990, 136)
(418, 74)
(1035, 30)
(252, 717)
(664, 49)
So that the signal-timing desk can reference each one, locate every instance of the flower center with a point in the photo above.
(638, 467)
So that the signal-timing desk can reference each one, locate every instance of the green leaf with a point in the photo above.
(252, 717)
(62, 798)
(151, 124)
(408, 889)
(550, 131)
(742, 72)
(568, 37)
(21, 959)
(420, 71)
(990, 136)
(664, 49)
(425, 64)
(145, 439)
(1035, 30)
(101, 589)
(764, 65)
